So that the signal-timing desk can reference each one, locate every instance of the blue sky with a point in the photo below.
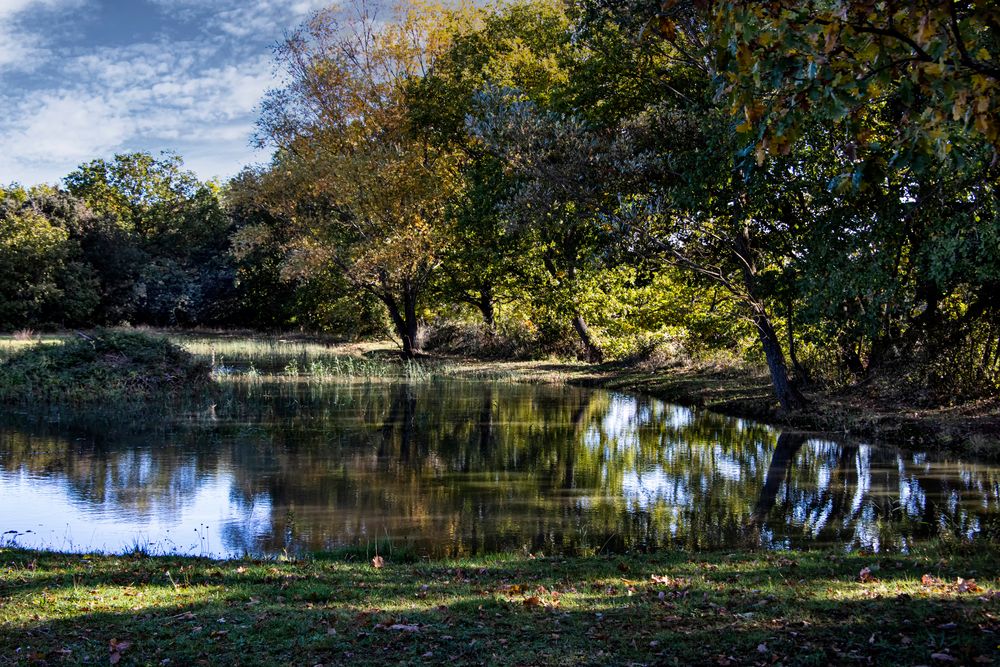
(82, 79)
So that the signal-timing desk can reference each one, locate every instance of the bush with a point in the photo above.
(107, 365)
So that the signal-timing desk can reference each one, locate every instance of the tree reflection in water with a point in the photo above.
(458, 467)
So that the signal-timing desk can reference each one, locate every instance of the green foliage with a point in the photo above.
(158, 239)
(42, 280)
(104, 366)
(931, 65)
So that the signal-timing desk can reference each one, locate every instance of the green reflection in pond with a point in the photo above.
(453, 467)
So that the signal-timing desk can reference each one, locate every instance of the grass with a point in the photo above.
(808, 608)
(101, 366)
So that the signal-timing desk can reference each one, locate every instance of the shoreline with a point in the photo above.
(971, 429)
(737, 390)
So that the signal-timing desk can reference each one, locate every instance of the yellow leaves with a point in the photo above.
(539, 598)
(668, 29)
(760, 153)
(670, 582)
(754, 112)
(960, 586)
(744, 56)
(932, 70)
(960, 106)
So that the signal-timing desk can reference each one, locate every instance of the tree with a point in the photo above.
(42, 280)
(565, 185)
(525, 46)
(365, 192)
(158, 239)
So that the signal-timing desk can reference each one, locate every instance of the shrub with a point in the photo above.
(106, 365)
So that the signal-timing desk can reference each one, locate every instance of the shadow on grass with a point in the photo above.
(748, 609)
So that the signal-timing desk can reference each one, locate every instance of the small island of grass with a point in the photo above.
(101, 366)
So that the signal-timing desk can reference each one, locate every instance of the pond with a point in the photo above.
(458, 467)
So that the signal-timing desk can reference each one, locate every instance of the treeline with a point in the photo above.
(140, 240)
(813, 186)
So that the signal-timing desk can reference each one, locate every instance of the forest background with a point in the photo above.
(810, 188)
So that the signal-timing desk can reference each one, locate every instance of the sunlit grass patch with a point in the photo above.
(664, 608)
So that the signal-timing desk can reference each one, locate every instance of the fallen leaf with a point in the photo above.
(117, 648)
(943, 657)
(533, 601)
(378, 562)
(866, 576)
(404, 627)
(966, 586)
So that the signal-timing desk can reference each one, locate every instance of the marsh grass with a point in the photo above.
(255, 359)
(790, 608)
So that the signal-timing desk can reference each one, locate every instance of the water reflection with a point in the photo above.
(457, 467)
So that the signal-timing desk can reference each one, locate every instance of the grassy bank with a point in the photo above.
(103, 366)
(672, 608)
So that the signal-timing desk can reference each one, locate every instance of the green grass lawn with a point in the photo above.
(670, 608)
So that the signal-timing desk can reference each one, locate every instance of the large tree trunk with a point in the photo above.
(486, 306)
(595, 354)
(788, 394)
(404, 321)
(411, 346)
(788, 445)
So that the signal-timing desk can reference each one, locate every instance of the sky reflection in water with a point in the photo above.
(456, 467)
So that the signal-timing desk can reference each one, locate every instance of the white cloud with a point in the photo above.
(25, 49)
(145, 96)
(246, 18)
(196, 96)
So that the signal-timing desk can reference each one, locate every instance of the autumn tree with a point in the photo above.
(523, 46)
(364, 191)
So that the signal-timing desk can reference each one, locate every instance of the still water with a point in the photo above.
(453, 467)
